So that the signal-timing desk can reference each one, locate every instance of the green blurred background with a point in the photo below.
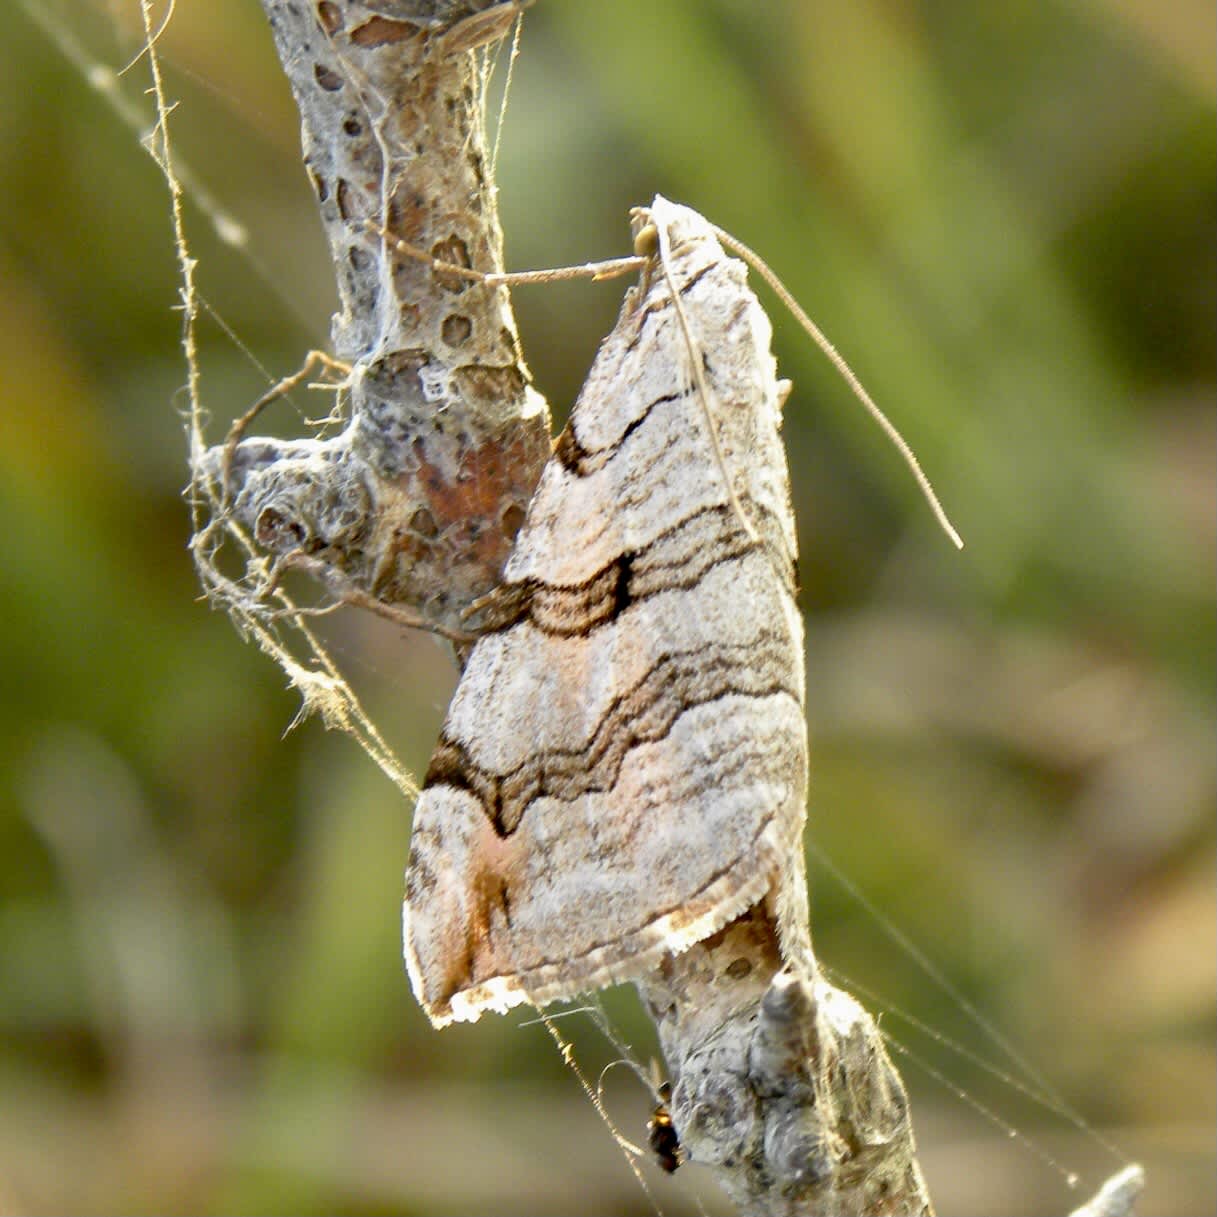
(1003, 214)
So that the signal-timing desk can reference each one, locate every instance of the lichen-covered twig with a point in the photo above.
(781, 1083)
(417, 501)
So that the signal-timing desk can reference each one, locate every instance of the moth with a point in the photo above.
(623, 766)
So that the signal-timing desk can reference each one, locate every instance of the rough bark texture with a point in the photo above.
(417, 502)
(779, 1082)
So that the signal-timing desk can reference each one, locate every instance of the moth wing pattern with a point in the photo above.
(623, 766)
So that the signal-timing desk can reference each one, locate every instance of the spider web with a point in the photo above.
(260, 608)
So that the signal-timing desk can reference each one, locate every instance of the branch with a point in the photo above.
(781, 1083)
(417, 501)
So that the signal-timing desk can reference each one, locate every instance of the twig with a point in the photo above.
(416, 503)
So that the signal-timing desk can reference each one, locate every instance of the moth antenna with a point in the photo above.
(699, 376)
(608, 269)
(817, 336)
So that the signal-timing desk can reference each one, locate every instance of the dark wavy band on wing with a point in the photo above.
(678, 559)
(642, 714)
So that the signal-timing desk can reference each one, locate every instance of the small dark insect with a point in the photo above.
(661, 1133)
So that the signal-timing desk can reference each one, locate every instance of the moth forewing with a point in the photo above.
(623, 766)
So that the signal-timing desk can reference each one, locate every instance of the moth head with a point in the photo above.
(646, 235)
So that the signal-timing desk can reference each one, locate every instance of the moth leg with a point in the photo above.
(498, 608)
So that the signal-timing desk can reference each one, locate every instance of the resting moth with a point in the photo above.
(623, 766)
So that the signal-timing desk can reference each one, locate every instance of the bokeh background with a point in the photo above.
(1003, 214)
